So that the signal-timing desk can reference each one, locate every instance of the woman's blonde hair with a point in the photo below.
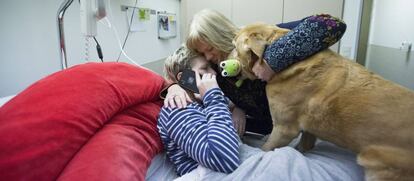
(181, 59)
(213, 28)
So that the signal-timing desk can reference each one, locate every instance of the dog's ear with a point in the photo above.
(278, 33)
(257, 44)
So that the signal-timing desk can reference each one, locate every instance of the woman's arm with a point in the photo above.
(175, 96)
(310, 36)
(239, 120)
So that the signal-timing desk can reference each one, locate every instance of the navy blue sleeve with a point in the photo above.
(310, 36)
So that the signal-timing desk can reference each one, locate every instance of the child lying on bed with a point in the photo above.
(201, 133)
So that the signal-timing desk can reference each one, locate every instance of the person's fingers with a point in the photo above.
(178, 102)
(239, 128)
(198, 78)
(188, 98)
(243, 128)
(171, 102)
(183, 100)
(235, 125)
(165, 102)
(205, 76)
(209, 75)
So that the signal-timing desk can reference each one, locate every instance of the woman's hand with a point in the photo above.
(262, 70)
(176, 97)
(239, 120)
(206, 82)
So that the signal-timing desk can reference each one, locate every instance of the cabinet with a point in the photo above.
(190, 7)
(243, 12)
(297, 9)
(247, 11)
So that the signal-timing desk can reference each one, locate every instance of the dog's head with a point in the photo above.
(250, 43)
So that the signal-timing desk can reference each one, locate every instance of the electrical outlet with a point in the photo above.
(406, 46)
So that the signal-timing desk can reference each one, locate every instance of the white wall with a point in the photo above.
(190, 7)
(240, 12)
(352, 18)
(29, 41)
(267, 11)
(243, 12)
(392, 23)
(298, 9)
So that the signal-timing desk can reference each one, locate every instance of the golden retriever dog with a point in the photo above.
(336, 100)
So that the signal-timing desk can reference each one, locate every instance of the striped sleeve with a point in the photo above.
(206, 135)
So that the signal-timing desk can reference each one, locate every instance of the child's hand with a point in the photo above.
(205, 83)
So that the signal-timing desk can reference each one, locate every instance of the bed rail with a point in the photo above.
(61, 12)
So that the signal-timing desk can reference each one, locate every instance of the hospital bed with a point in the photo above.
(94, 150)
(124, 110)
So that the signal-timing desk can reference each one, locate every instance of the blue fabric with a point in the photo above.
(312, 35)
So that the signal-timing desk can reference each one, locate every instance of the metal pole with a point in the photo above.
(61, 34)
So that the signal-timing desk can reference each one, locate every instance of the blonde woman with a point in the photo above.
(211, 35)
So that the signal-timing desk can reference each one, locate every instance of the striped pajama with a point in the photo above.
(200, 134)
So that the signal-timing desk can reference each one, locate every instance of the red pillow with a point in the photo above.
(95, 120)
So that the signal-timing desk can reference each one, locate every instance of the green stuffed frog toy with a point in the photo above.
(231, 68)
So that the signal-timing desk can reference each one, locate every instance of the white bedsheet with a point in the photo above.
(325, 162)
(3, 100)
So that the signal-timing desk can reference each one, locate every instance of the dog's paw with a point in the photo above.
(267, 147)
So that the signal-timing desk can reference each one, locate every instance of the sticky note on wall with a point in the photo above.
(144, 14)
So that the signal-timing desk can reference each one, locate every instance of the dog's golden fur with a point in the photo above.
(338, 101)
